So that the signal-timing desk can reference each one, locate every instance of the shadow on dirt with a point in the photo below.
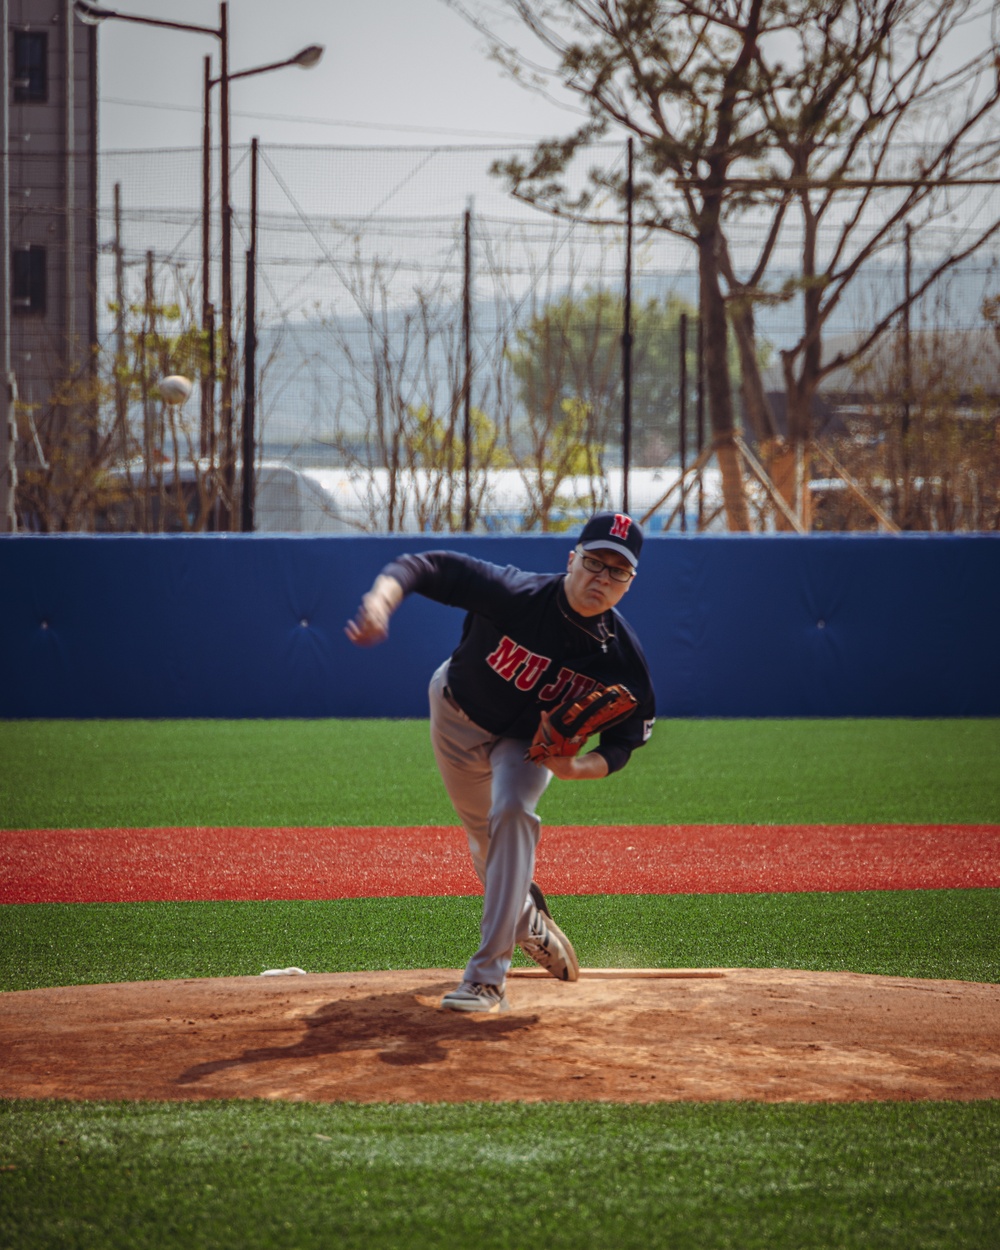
(403, 1030)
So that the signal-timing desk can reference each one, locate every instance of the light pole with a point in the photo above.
(305, 59)
(92, 15)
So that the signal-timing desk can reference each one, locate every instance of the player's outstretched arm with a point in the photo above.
(577, 767)
(371, 624)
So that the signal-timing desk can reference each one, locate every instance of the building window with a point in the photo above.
(31, 66)
(27, 272)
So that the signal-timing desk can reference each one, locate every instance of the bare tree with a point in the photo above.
(681, 81)
(757, 106)
(401, 429)
(883, 122)
(923, 443)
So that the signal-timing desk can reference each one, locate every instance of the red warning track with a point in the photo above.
(156, 865)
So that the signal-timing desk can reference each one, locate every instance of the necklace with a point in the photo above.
(603, 637)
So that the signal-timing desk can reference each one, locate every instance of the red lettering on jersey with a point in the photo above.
(532, 671)
(621, 526)
(567, 686)
(507, 658)
(554, 689)
(581, 686)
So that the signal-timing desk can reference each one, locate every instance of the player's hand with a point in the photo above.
(371, 624)
(577, 767)
(369, 627)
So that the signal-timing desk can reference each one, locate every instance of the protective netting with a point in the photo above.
(386, 278)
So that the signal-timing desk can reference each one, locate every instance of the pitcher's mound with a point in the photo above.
(617, 1035)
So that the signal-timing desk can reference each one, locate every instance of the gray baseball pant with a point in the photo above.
(494, 790)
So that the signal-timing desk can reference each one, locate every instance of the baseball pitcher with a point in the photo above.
(544, 662)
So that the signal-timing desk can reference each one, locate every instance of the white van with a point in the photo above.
(286, 501)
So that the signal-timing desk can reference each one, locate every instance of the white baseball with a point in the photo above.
(175, 389)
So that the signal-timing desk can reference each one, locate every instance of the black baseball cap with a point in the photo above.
(613, 531)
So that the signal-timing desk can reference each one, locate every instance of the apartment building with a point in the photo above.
(51, 173)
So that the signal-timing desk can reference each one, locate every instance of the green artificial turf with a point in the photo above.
(256, 1175)
(736, 1176)
(924, 933)
(104, 774)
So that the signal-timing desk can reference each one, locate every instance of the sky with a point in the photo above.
(394, 72)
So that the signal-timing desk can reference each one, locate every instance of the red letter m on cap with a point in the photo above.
(621, 526)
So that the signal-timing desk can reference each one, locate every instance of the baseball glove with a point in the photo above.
(565, 729)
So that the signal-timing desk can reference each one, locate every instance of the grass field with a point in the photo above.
(736, 1176)
(925, 933)
(259, 1175)
(101, 774)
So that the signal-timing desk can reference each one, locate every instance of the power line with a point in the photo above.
(327, 121)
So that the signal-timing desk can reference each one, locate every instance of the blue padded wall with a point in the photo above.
(252, 626)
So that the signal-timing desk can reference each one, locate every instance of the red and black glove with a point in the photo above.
(565, 729)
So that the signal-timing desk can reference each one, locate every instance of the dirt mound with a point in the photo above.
(620, 1036)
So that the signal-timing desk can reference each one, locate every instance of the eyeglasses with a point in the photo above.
(616, 574)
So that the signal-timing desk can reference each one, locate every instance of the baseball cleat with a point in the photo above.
(473, 996)
(546, 943)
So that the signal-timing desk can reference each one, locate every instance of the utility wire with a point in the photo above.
(328, 121)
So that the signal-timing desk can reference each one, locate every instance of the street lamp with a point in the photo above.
(305, 59)
(93, 15)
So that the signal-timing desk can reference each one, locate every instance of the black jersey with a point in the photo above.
(524, 649)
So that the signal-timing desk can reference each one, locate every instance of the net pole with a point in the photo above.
(627, 337)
